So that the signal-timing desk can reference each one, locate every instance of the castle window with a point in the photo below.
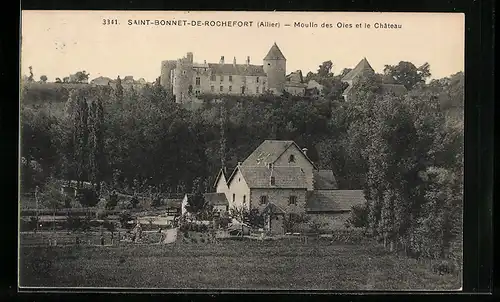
(244, 199)
(230, 78)
(263, 199)
(230, 88)
(221, 88)
(212, 88)
(292, 199)
(291, 159)
(273, 181)
(257, 90)
(234, 197)
(222, 78)
(212, 77)
(257, 80)
(197, 81)
(183, 72)
(243, 90)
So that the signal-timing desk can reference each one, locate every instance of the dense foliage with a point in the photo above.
(405, 152)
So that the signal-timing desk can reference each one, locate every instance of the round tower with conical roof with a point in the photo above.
(275, 68)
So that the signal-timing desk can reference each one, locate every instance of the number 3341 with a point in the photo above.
(109, 21)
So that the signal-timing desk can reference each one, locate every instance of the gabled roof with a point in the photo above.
(269, 151)
(236, 69)
(285, 177)
(274, 53)
(216, 199)
(362, 66)
(334, 200)
(324, 180)
(219, 175)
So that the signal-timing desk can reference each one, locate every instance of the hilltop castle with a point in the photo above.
(186, 79)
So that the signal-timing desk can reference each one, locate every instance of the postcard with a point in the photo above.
(212, 150)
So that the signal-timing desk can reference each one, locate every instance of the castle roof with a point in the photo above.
(274, 53)
(334, 200)
(362, 66)
(295, 77)
(237, 69)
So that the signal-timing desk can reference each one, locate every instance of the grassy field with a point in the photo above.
(229, 265)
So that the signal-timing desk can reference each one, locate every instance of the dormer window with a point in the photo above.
(273, 181)
(270, 165)
(291, 158)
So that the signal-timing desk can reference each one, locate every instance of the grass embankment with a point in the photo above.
(229, 265)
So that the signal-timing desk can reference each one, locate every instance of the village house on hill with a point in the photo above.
(364, 69)
(280, 180)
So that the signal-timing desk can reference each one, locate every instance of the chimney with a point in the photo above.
(304, 150)
(234, 61)
(221, 60)
(205, 62)
(248, 60)
(190, 57)
(239, 164)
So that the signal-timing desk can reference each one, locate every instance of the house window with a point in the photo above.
(197, 81)
(212, 88)
(291, 159)
(242, 90)
(184, 72)
(234, 197)
(230, 88)
(263, 199)
(292, 199)
(222, 78)
(212, 77)
(273, 181)
(257, 90)
(221, 88)
(230, 78)
(257, 79)
(270, 165)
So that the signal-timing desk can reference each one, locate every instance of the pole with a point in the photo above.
(36, 202)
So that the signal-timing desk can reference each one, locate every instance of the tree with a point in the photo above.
(66, 80)
(119, 91)
(30, 78)
(196, 203)
(112, 201)
(43, 78)
(81, 76)
(407, 74)
(325, 69)
(58, 80)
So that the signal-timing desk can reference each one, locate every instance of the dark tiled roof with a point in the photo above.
(295, 77)
(324, 180)
(274, 53)
(334, 200)
(173, 203)
(267, 152)
(362, 66)
(216, 199)
(397, 89)
(237, 69)
(285, 177)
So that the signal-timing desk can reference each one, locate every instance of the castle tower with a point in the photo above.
(166, 75)
(183, 78)
(275, 68)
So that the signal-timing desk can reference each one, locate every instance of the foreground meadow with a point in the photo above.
(229, 265)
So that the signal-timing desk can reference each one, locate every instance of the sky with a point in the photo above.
(59, 43)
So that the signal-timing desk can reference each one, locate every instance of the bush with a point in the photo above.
(359, 216)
